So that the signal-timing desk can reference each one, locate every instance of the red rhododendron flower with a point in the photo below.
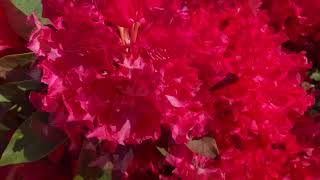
(119, 71)
(129, 94)
(300, 20)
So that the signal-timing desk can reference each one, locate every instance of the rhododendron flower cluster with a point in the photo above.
(299, 19)
(181, 89)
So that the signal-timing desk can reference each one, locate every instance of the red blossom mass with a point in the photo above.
(145, 77)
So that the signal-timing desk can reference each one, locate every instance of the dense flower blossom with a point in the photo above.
(120, 71)
(124, 95)
(300, 20)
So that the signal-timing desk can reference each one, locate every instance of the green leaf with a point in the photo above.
(14, 104)
(15, 91)
(4, 128)
(307, 86)
(10, 118)
(30, 6)
(78, 177)
(27, 85)
(315, 76)
(17, 12)
(106, 176)
(15, 60)
(205, 146)
(87, 169)
(32, 141)
(17, 20)
(9, 62)
(163, 151)
(107, 172)
(3, 99)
